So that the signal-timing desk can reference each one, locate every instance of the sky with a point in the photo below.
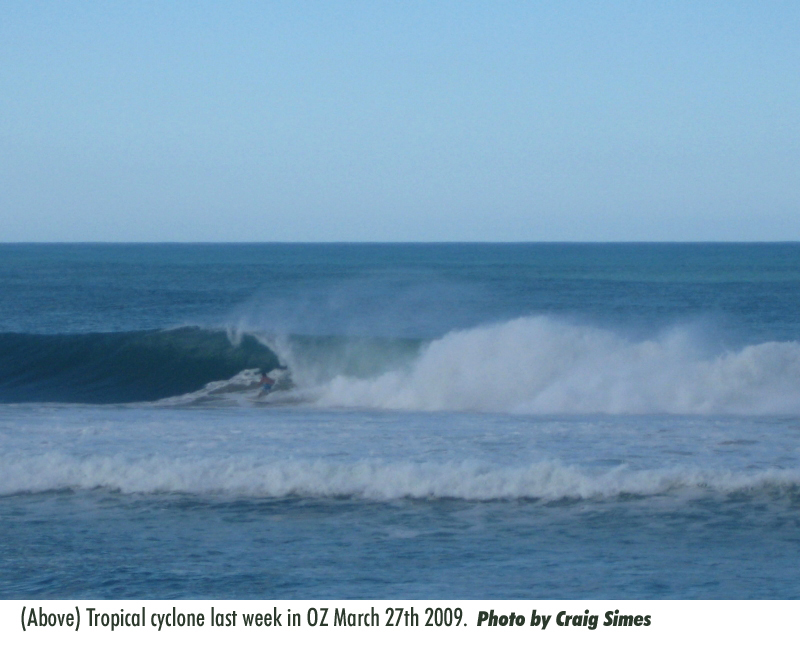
(399, 121)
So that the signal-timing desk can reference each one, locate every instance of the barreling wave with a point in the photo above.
(122, 367)
(375, 480)
(529, 365)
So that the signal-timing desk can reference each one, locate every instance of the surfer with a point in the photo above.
(266, 384)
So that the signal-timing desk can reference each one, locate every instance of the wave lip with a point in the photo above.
(126, 367)
(373, 480)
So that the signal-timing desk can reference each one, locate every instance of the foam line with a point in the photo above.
(371, 480)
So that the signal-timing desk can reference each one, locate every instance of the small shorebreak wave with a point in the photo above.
(547, 481)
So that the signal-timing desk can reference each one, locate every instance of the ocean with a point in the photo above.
(449, 421)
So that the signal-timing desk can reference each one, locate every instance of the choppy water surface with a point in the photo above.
(466, 421)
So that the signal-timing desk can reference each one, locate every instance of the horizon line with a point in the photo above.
(345, 242)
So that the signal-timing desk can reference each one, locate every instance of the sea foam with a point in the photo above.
(541, 365)
(371, 479)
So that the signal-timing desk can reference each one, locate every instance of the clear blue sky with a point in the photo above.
(399, 121)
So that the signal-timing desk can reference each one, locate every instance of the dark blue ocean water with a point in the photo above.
(448, 421)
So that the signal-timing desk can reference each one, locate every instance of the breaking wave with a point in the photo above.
(372, 480)
(541, 365)
(529, 365)
(122, 367)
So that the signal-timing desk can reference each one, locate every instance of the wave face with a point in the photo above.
(542, 365)
(122, 367)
